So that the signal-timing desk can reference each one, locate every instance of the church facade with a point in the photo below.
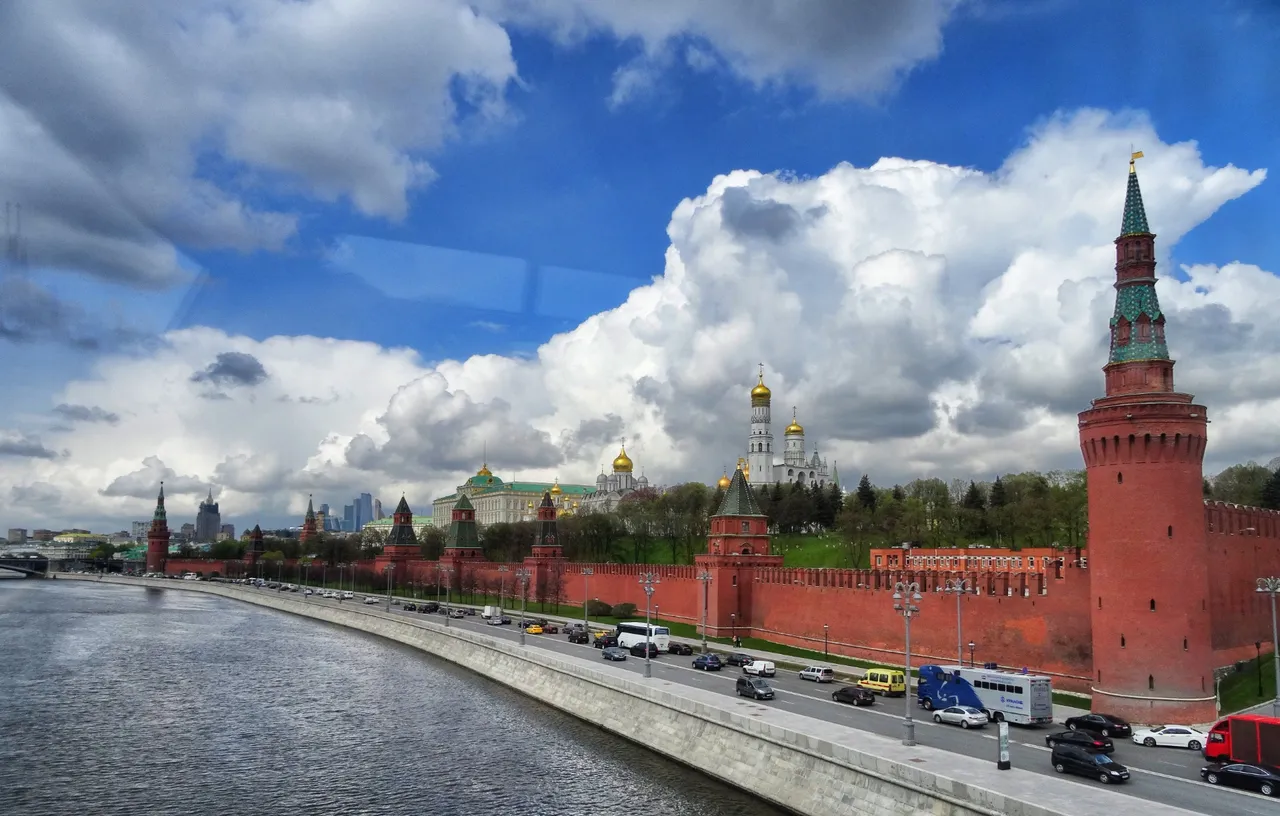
(612, 488)
(760, 467)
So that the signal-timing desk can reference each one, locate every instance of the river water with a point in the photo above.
(118, 700)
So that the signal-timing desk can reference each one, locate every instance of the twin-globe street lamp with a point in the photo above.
(959, 587)
(522, 575)
(587, 572)
(502, 588)
(906, 596)
(648, 580)
(448, 587)
(705, 578)
(1271, 586)
(389, 569)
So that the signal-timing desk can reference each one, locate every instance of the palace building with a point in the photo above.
(796, 465)
(495, 501)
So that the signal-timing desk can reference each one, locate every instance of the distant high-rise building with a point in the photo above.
(138, 530)
(377, 510)
(17, 535)
(43, 535)
(349, 517)
(364, 510)
(208, 521)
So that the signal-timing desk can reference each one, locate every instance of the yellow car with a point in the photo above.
(888, 682)
(534, 629)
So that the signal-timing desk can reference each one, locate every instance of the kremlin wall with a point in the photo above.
(1165, 600)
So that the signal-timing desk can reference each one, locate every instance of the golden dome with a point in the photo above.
(555, 488)
(623, 463)
(484, 470)
(794, 427)
(724, 482)
(761, 394)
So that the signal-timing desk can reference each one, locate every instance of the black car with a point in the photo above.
(1076, 760)
(738, 659)
(680, 649)
(605, 641)
(853, 695)
(410, 607)
(638, 650)
(1083, 739)
(579, 636)
(613, 653)
(429, 607)
(708, 662)
(1108, 725)
(1239, 775)
(755, 688)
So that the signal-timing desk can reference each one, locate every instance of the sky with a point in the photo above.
(289, 248)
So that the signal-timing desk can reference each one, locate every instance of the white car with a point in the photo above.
(963, 716)
(1173, 736)
(818, 674)
(760, 668)
(348, 596)
(371, 600)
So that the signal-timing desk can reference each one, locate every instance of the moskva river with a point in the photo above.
(145, 702)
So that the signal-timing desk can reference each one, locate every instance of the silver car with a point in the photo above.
(963, 716)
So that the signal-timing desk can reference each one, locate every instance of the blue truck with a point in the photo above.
(940, 688)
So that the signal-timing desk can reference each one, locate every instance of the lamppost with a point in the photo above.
(958, 587)
(648, 580)
(439, 575)
(972, 646)
(502, 587)
(905, 597)
(826, 630)
(522, 575)
(587, 572)
(733, 627)
(448, 585)
(1257, 645)
(389, 569)
(1271, 586)
(705, 578)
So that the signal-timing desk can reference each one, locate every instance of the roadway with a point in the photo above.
(1167, 775)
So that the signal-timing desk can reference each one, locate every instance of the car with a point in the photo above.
(410, 607)
(604, 640)
(575, 635)
(371, 600)
(853, 695)
(456, 613)
(1173, 736)
(1265, 781)
(738, 659)
(680, 648)
(533, 629)
(613, 653)
(1085, 740)
(1076, 760)
(638, 650)
(1108, 725)
(550, 629)
(754, 688)
(889, 682)
(760, 668)
(708, 662)
(963, 716)
(818, 674)
(350, 596)
(495, 621)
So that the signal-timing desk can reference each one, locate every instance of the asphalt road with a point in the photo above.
(1167, 775)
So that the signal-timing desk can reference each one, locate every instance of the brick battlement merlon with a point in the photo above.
(1225, 518)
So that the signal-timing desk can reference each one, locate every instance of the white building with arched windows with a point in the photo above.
(761, 467)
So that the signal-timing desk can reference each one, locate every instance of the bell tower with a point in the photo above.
(759, 470)
(1143, 445)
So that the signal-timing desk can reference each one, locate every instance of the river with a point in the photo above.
(121, 700)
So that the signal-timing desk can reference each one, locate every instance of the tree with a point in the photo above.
(898, 493)
(866, 493)
(431, 543)
(1270, 496)
(1241, 484)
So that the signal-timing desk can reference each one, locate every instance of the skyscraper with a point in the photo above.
(349, 517)
(364, 510)
(377, 510)
(208, 521)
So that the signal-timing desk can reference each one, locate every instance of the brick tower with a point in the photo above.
(401, 545)
(253, 553)
(546, 563)
(546, 545)
(158, 536)
(1143, 446)
(308, 523)
(737, 546)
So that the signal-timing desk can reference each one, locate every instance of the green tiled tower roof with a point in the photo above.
(1135, 216)
(1137, 305)
(463, 503)
(159, 515)
(738, 499)
(462, 533)
(401, 534)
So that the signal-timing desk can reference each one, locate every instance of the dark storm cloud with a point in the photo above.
(29, 313)
(232, 368)
(86, 413)
(1209, 329)
(37, 495)
(590, 435)
(992, 416)
(24, 446)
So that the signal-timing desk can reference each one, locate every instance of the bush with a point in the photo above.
(599, 609)
(624, 610)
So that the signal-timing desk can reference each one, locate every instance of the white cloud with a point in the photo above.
(925, 319)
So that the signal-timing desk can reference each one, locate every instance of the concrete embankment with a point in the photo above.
(807, 765)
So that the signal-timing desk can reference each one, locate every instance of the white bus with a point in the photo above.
(632, 632)
(1024, 699)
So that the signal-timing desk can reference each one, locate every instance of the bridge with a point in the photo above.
(34, 566)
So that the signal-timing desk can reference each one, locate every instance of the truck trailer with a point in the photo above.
(1249, 738)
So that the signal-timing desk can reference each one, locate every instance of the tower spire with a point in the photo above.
(1134, 221)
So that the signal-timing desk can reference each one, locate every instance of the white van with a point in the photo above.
(491, 612)
(760, 668)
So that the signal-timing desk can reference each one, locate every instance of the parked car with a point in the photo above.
(680, 648)
(738, 659)
(1240, 775)
(754, 688)
(853, 695)
(1172, 736)
(613, 653)
(1082, 739)
(429, 606)
(708, 662)
(533, 629)
(963, 716)
(1108, 725)
(638, 650)
(410, 607)
(818, 674)
(1076, 760)
(760, 668)
(579, 636)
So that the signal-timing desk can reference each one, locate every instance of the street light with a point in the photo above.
(825, 633)
(972, 646)
(648, 580)
(502, 587)
(389, 569)
(522, 575)
(733, 627)
(1271, 586)
(705, 578)
(587, 572)
(905, 597)
(958, 587)
(448, 585)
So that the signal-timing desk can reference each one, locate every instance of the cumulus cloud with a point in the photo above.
(232, 368)
(145, 481)
(921, 323)
(86, 413)
(22, 446)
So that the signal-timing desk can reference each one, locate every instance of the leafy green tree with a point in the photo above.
(1270, 496)
(431, 543)
(1241, 484)
(898, 493)
(866, 493)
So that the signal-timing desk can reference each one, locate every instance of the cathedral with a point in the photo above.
(611, 488)
(796, 466)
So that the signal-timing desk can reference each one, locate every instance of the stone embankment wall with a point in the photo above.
(808, 766)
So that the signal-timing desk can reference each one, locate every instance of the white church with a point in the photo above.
(760, 467)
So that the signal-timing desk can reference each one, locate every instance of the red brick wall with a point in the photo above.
(1244, 545)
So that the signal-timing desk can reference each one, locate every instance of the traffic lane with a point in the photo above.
(802, 698)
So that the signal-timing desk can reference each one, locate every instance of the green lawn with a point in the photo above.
(1239, 691)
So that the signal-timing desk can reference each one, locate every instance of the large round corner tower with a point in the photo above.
(1143, 446)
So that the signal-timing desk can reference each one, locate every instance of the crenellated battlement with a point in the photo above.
(1145, 447)
(1225, 518)
(1001, 584)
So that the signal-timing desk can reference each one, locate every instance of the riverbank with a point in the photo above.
(800, 763)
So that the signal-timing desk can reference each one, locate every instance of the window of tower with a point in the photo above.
(1122, 332)
(1122, 641)
(746, 526)
(1119, 478)
(1170, 531)
(1151, 683)
(1184, 644)
(735, 581)
(1144, 329)
(1153, 604)
(790, 472)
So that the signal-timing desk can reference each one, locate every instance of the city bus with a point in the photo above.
(1024, 699)
(632, 632)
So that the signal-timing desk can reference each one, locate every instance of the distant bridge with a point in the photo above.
(30, 567)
